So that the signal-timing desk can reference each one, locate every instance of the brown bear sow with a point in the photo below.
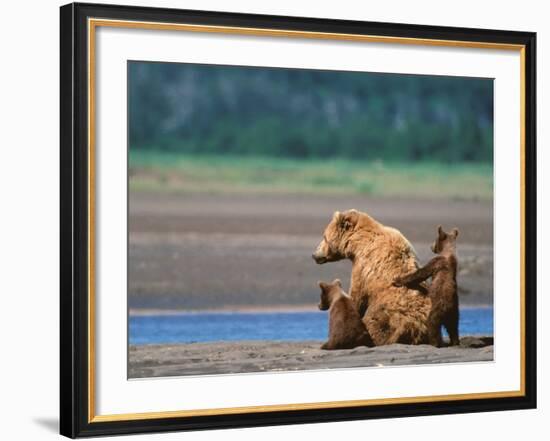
(346, 330)
(378, 254)
(443, 289)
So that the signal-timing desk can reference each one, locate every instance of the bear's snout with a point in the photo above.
(320, 254)
(319, 258)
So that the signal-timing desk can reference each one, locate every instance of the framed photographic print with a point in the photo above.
(275, 220)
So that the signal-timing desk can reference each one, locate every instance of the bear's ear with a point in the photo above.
(349, 219)
(454, 232)
(440, 231)
(337, 282)
(322, 285)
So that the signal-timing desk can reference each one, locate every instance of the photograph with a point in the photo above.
(285, 219)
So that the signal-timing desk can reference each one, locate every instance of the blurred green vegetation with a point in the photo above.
(179, 172)
(309, 114)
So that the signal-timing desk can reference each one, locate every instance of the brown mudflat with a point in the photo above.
(237, 251)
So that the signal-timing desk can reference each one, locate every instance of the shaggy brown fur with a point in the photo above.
(443, 289)
(379, 254)
(346, 330)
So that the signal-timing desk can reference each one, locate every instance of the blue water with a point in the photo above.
(280, 326)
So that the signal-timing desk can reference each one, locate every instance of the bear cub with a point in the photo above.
(346, 330)
(443, 289)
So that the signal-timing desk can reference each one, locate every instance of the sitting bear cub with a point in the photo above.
(346, 330)
(443, 289)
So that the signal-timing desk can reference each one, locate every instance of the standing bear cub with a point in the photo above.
(346, 330)
(443, 289)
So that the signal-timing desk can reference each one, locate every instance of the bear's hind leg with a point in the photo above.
(452, 328)
(378, 327)
(434, 337)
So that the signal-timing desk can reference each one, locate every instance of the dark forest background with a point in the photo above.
(294, 113)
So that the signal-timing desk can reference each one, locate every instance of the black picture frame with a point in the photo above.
(75, 420)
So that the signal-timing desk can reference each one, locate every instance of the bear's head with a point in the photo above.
(329, 291)
(336, 237)
(445, 242)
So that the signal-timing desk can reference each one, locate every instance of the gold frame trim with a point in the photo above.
(92, 25)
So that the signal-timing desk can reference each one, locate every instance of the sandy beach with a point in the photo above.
(266, 356)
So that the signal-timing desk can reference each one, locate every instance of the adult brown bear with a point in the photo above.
(379, 254)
